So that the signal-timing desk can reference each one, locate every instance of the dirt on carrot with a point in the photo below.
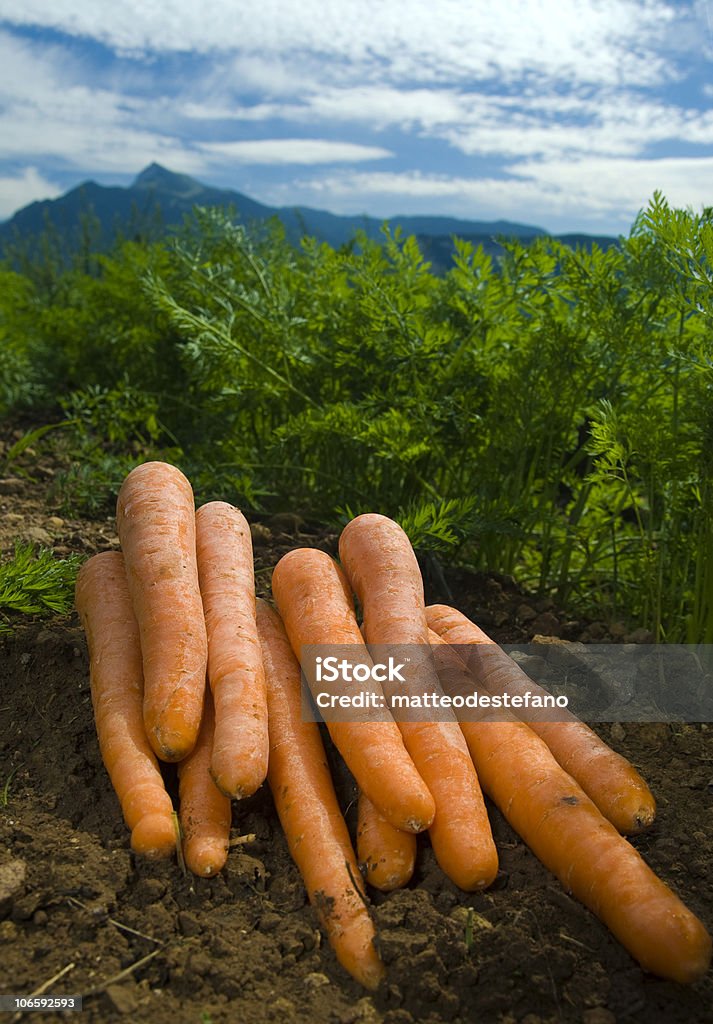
(244, 945)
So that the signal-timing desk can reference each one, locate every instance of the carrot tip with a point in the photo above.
(234, 790)
(154, 837)
(388, 884)
(643, 819)
(206, 863)
(372, 976)
(413, 825)
(171, 748)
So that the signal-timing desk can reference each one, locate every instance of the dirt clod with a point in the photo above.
(12, 883)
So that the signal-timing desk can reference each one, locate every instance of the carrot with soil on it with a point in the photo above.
(382, 569)
(307, 806)
(204, 811)
(155, 516)
(386, 855)
(572, 838)
(606, 777)
(317, 608)
(235, 671)
(116, 679)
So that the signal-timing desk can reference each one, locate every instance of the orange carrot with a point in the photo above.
(571, 837)
(104, 606)
(592, 860)
(156, 524)
(204, 811)
(605, 776)
(235, 671)
(307, 806)
(383, 571)
(316, 606)
(386, 855)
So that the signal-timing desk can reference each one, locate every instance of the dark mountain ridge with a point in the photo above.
(158, 200)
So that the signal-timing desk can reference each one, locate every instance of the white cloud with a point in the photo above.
(401, 40)
(384, 106)
(598, 194)
(613, 123)
(48, 112)
(607, 185)
(294, 151)
(221, 109)
(549, 124)
(24, 188)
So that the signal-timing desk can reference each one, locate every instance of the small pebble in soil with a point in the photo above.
(593, 632)
(547, 623)
(315, 980)
(617, 630)
(525, 613)
(639, 636)
(188, 925)
(149, 890)
(291, 946)
(269, 922)
(25, 906)
(598, 1015)
(12, 881)
(653, 734)
(39, 535)
(363, 1012)
(122, 998)
(398, 1017)
(8, 931)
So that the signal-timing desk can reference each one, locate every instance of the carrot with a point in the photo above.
(235, 671)
(605, 776)
(584, 850)
(572, 838)
(203, 810)
(104, 606)
(307, 806)
(316, 606)
(156, 524)
(383, 571)
(386, 855)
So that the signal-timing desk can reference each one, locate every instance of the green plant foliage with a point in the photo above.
(19, 374)
(34, 582)
(547, 414)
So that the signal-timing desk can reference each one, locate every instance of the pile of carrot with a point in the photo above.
(188, 666)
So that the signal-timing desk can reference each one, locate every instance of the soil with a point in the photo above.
(144, 942)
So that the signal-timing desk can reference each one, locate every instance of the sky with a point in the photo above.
(564, 114)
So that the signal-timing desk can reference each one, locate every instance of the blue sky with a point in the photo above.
(567, 115)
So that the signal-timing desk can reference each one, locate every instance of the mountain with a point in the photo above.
(158, 200)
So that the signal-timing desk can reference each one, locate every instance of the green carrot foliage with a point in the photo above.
(545, 413)
(34, 582)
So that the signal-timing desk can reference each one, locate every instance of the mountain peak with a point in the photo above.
(157, 176)
(164, 198)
